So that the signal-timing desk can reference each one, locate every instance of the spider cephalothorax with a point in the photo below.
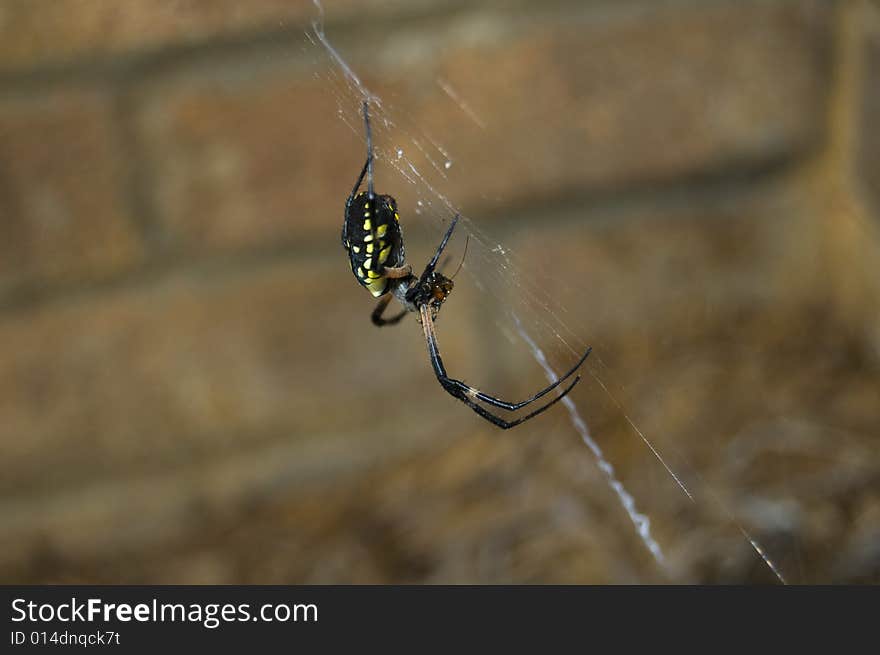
(431, 292)
(372, 236)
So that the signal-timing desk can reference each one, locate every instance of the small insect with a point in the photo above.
(373, 238)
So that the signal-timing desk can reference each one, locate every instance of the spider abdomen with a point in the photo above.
(371, 234)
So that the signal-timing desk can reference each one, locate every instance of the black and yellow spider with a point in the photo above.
(372, 236)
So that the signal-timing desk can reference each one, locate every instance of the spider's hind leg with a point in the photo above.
(368, 164)
(357, 185)
(376, 316)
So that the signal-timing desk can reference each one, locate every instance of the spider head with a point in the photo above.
(432, 291)
(441, 287)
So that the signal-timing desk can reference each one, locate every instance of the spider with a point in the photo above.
(372, 236)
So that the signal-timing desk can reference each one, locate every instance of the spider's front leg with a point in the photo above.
(429, 269)
(469, 395)
(396, 272)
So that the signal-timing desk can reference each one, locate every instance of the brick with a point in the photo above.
(703, 312)
(235, 421)
(869, 141)
(674, 295)
(36, 33)
(674, 264)
(531, 508)
(199, 365)
(714, 328)
(66, 215)
(248, 161)
(50, 32)
(436, 516)
(251, 150)
(614, 99)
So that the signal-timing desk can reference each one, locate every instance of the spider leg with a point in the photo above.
(433, 263)
(512, 407)
(376, 316)
(468, 395)
(350, 199)
(506, 425)
(429, 269)
(368, 164)
(357, 185)
(445, 262)
(398, 272)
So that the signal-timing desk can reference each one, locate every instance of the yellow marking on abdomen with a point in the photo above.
(377, 286)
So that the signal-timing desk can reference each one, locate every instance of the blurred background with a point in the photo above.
(192, 391)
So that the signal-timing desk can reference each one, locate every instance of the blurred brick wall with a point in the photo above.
(179, 330)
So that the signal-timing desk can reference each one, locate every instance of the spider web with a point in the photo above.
(532, 317)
